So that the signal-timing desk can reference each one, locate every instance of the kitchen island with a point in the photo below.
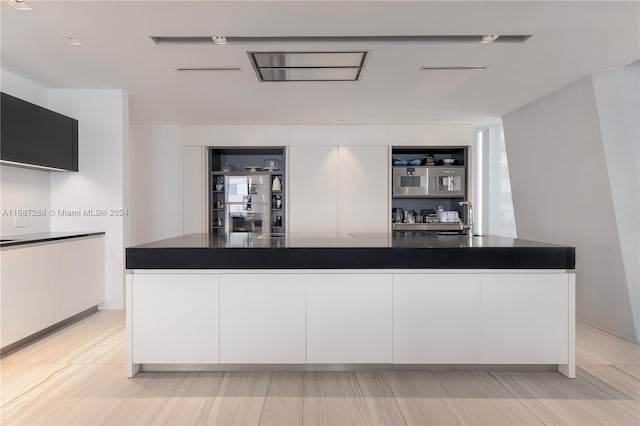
(318, 301)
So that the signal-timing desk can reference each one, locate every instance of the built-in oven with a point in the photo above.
(410, 182)
(252, 222)
(446, 181)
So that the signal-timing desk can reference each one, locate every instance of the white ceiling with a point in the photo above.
(570, 40)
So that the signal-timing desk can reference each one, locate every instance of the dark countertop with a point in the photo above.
(348, 251)
(41, 237)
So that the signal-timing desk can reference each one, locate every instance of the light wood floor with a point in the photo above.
(76, 377)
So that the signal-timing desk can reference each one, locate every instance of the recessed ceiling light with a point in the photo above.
(219, 39)
(19, 4)
(489, 38)
(72, 41)
(471, 68)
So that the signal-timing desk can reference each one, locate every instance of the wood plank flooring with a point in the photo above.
(76, 377)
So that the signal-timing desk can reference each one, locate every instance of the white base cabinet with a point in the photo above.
(28, 292)
(436, 319)
(351, 317)
(175, 319)
(43, 284)
(262, 318)
(524, 318)
(80, 276)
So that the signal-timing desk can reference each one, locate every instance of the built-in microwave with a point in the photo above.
(410, 182)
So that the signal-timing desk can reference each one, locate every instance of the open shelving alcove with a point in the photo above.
(436, 155)
(238, 161)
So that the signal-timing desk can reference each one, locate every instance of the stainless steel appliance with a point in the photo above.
(446, 181)
(410, 182)
(247, 204)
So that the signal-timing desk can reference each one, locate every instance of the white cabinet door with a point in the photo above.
(175, 318)
(194, 205)
(524, 318)
(313, 189)
(436, 318)
(349, 318)
(363, 189)
(28, 291)
(79, 276)
(262, 318)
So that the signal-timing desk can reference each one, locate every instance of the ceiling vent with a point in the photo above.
(428, 39)
(209, 69)
(308, 66)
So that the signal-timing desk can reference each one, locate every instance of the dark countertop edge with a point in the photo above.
(354, 258)
(26, 240)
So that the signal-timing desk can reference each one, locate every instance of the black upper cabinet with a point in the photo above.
(36, 136)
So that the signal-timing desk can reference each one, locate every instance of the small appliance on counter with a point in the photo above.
(396, 215)
(448, 216)
(428, 220)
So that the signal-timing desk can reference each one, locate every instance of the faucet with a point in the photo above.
(469, 216)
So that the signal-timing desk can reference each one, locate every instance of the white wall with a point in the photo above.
(618, 101)
(561, 188)
(23, 188)
(20, 87)
(103, 128)
(156, 183)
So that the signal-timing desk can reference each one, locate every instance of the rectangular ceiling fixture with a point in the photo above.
(308, 66)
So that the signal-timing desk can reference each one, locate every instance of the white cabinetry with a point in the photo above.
(363, 189)
(349, 318)
(28, 291)
(262, 318)
(175, 318)
(525, 318)
(436, 318)
(338, 189)
(43, 284)
(80, 276)
(313, 189)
